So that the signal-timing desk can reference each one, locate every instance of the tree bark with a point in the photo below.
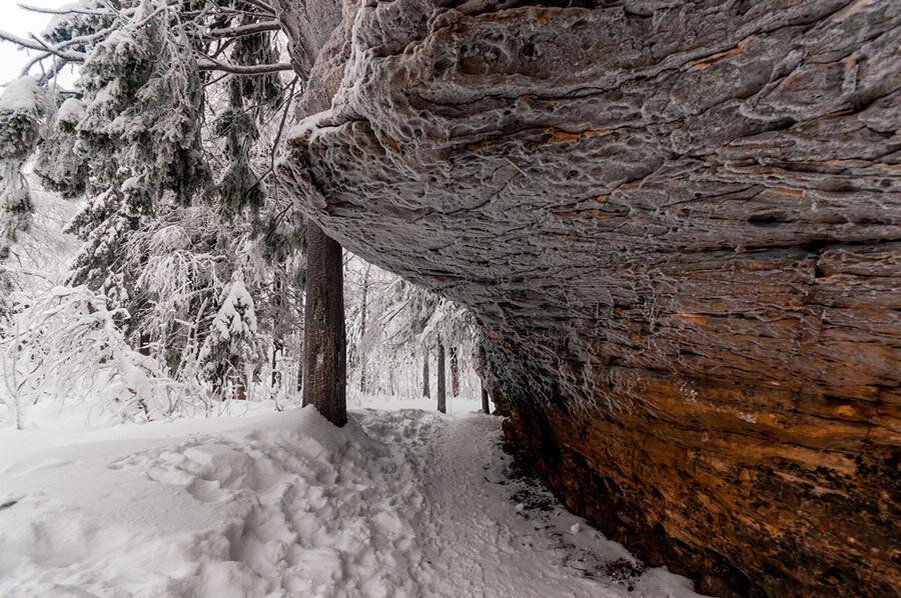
(363, 326)
(237, 378)
(455, 372)
(278, 347)
(426, 391)
(324, 336)
(486, 407)
(278, 330)
(442, 398)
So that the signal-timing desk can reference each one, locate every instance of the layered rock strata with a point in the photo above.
(679, 224)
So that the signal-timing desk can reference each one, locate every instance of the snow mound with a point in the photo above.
(303, 508)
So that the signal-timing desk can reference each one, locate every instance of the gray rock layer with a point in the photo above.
(679, 224)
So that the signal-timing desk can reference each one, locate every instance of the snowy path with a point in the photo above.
(398, 504)
(479, 542)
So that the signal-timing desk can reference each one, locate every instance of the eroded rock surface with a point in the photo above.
(680, 226)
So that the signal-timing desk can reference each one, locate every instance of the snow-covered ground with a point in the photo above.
(400, 503)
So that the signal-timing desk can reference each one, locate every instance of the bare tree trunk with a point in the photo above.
(278, 332)
(362, 357)
(301, 363)
(426, 391)
(237, 377)
(486, 407)
(324, 337)
(455, 372)
(278, 348)
(442, 398)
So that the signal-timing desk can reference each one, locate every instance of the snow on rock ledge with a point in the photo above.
(680, 226)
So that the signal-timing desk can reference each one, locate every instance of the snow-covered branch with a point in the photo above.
(208, 64)
(65, 10)
(241, 30)
(36, 44)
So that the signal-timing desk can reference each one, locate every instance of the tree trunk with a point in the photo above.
(278, 330)
(486, 407)
(324, 341)
(363, 326)
(237, 378)
(278, 347)
(442, 398)
(455, 372)
(426, 392)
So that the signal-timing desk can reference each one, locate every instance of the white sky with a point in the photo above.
(21, 22)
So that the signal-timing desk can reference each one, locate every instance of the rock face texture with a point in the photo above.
(679, 224)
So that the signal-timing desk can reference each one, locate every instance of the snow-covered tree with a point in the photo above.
(141, 138)
(188, 260)
(170, 134)
(182, 261)
(66, 344)
(60, 165)
(395, 329)
(229, 356)
(23, 110)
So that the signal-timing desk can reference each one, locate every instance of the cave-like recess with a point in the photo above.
(679, 225)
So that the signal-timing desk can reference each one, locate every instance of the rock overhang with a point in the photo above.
(648, 207)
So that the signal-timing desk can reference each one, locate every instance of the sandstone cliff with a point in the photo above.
(679, 224)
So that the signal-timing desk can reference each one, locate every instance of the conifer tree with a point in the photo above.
(229, 354)
(23, 110)
(170, 135)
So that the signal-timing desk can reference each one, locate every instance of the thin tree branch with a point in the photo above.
(281, 125)
(41, 47)
(242, 30)
(57, 52)
(30, 64)
(278, 138)
(264, 6)
(208, 64)
(62, 11)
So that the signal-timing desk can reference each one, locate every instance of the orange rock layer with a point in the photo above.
(750, 491)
